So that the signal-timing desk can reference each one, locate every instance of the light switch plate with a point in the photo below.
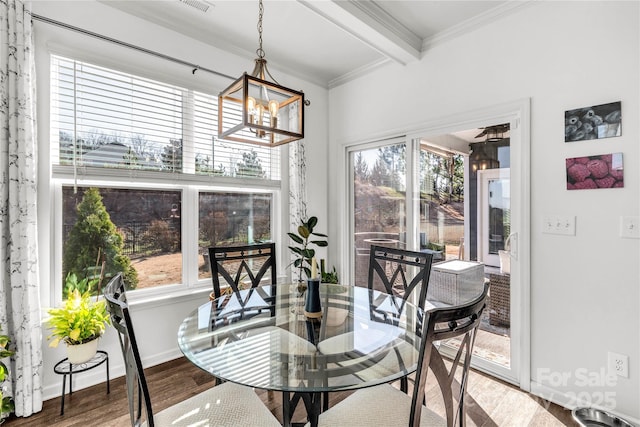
(559, 224)
(630, 227)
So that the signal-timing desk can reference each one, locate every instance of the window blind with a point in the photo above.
(104, 118)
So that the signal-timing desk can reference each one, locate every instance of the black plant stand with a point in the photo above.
(65, 368)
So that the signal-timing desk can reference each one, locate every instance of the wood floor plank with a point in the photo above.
(491, 402)
(515, 408)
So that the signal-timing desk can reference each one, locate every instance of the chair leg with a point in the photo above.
(404, 384)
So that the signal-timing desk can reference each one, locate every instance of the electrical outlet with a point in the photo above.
(619, 364)
(630, 227)
(559, 224)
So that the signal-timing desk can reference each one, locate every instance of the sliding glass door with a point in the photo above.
(379, 203)
(451, 195)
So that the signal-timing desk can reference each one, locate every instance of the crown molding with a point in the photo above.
(478, 21)
(370, 24)
(358, 72)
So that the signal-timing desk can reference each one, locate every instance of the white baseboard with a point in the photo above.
(569, 402)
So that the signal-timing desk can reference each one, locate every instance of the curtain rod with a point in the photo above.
(194, 67)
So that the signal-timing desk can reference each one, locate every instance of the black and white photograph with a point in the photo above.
(596, 122)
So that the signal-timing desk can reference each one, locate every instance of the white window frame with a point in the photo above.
(188, 183)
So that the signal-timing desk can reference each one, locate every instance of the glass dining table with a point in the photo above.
(364, 338)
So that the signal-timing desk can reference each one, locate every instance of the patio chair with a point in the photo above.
(385, 405)
(226, 404)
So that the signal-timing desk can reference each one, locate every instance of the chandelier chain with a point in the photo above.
(260, 51)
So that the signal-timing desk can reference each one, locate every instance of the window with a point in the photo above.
(139, 237)
(105, 118)
(149, 152)
(232, 218)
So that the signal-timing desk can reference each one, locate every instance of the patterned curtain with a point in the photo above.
(19, 288)
(297, 186)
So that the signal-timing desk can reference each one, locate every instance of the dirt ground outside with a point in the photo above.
(158, 270)
(167, 269)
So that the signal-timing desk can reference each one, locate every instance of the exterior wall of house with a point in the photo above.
(156, 319)
(584, 294)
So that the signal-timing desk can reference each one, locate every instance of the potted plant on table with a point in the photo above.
(6, 402)
(304, 252)
(79, 322)
(328, 276)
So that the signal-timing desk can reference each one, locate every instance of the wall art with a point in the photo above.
(599, 121)
(601, 171)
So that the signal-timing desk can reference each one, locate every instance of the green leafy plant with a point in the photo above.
(95, 237)
(304, 253)
(6, 402)
(436, 246)
(71, 282)
(79, 320)
(328, 276)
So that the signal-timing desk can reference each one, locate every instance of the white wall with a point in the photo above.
(563, 55)
(584, 289)
(156, 321)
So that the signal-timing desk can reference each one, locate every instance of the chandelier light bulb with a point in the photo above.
(273, 108)
(251, 104)
(260, 113)
(273, 112)
(251, 109)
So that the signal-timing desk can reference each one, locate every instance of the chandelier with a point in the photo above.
(257, 111)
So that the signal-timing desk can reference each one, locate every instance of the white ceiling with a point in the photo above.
(326, 42)
(322, 41)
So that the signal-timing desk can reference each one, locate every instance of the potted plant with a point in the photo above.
(304, 252)
(79, 322)
(328, 276)
(6, 402)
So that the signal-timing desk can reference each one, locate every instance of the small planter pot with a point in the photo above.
(82, 353)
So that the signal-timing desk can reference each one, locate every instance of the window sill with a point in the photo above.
(169, 294)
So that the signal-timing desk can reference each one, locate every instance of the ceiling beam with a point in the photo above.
(370, 24)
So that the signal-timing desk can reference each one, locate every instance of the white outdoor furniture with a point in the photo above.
(455, 281)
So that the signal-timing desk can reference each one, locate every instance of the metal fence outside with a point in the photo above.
(138, 239)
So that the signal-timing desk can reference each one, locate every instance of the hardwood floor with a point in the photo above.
(491, 403)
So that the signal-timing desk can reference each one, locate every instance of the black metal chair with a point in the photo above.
(227, 404)
(247, 265)
(385, 405)
(243, 267)
(398, 272)
(390, 271)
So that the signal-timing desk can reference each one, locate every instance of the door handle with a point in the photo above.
(512, 245)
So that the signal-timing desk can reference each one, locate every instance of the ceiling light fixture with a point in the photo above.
(479, 158)
(257, 111)
(495, 133)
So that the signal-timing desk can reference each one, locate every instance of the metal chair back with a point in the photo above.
(240, 265)
(393, 268)
(460, 322)
(137, 390)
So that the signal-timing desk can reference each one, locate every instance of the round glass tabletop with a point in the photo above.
(256, 339)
